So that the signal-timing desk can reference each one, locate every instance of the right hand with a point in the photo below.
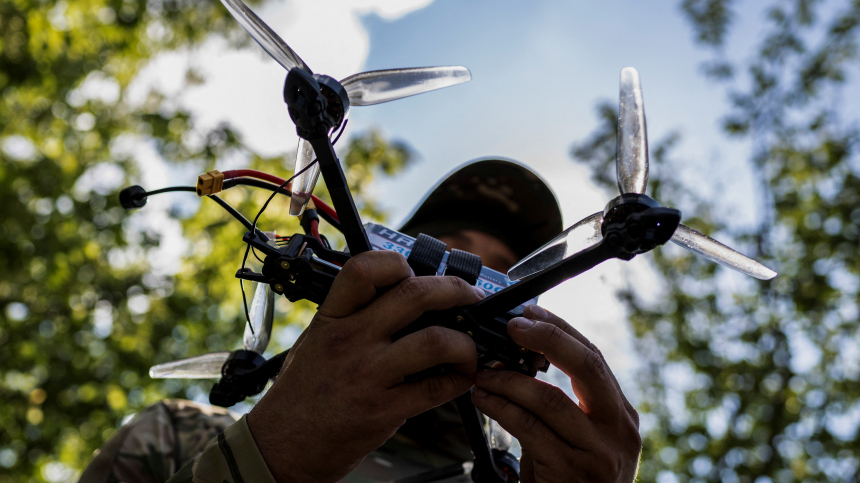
(341, 392)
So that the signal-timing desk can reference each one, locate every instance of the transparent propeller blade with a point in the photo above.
(303, 185)
(265, 36)
(262, 314)
(631, 162)
(717, 252)
(207, 366)
(575, 239)
(374, 87)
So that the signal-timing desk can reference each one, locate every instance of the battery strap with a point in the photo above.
(464, 265)
(426, 255)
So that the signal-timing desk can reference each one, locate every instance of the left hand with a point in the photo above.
(597, 440)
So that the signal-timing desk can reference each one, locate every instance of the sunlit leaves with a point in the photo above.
(86, 303)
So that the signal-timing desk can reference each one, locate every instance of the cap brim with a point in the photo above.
(500, 197)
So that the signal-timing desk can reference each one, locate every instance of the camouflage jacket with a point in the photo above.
(179, 441)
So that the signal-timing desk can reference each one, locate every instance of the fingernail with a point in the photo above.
(486, 374)
(522, 323)
(480, 392)
(537, 312)
(480, 292)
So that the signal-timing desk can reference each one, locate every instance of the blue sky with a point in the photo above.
(537, 75)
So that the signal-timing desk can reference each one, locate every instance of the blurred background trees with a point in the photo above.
(88, 297)
(744, 380)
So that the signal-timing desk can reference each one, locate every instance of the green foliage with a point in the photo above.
(710, 19)
(725, 395)
(83, 311)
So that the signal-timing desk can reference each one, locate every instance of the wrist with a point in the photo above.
(270, 437)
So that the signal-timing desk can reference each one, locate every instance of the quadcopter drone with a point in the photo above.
(304, 265)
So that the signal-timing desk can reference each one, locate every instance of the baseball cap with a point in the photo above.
(502, 198)
(497, 196)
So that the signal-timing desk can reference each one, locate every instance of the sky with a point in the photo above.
(538, 71)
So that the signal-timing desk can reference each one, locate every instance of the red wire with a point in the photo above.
(253, 173)
(315, 230)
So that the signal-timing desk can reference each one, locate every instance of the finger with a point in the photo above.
(360, 280)
(588, 373)
(527, 467)
(403, 303)
(428, 348)
(537, 313)
(531, 432)
(549, 403)
(414, 398)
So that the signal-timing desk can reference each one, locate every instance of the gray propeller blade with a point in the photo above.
(265, 36)
(575, 239)
(378, 86)
(207, 366)
(262, 314)
(631, 162)
(717, 252)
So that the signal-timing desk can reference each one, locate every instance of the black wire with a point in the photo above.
(254, 227)
(236, 214)
(242, 286)
(169, 189)
(273, 187)
(243, 181)
(257, 183)
(263, 208)
(342, 128)
(274, 192)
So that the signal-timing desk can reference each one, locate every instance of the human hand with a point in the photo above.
(341, 392)
(595, 441)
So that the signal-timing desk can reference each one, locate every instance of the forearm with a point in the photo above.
(232, 457)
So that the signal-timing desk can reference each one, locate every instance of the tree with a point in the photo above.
(759, 383)
(85, 311)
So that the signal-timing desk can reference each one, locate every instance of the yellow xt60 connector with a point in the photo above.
(210, 183)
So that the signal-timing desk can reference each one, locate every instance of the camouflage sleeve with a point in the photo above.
(232, 457)
(157, 442)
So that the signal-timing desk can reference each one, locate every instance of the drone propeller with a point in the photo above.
(717, 252)
(378, 86)
(363, 89)
(631, 161)
(631, 168)
(584, 234)
(265, 36)
(262, 315)
(367, 89)
(208, 366)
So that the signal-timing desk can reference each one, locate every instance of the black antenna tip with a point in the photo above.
(132, 197)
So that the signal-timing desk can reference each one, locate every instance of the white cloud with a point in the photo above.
(244, 87)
